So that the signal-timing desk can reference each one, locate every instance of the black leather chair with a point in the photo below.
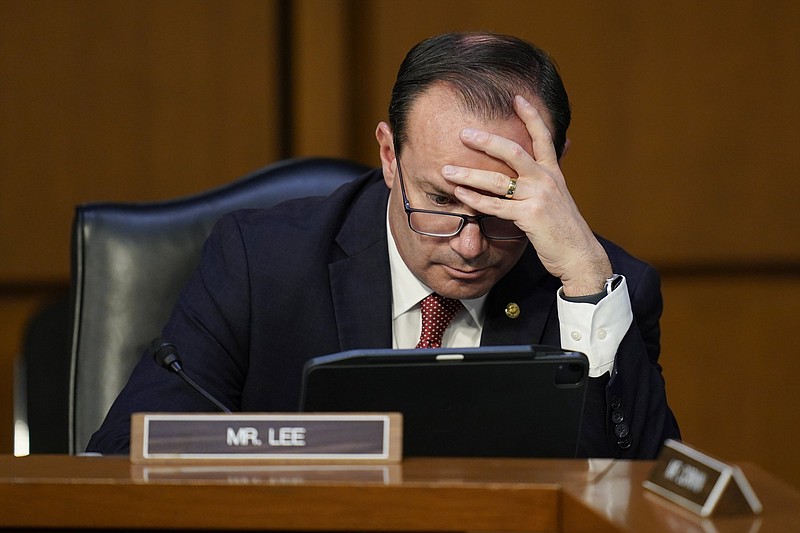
(129, 262)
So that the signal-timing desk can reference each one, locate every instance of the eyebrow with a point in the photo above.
(451, 199)
(424, 182)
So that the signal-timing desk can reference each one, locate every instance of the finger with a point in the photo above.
(488, 205)
(494, 183)
(543, 149)
(499, 147)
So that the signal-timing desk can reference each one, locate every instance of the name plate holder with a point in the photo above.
(264, 438)
(701, 484)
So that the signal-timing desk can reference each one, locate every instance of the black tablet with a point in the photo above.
(493, 401)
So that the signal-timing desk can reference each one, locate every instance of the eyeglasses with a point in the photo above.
(443, 224)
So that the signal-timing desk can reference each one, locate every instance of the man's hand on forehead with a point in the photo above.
(535, 196)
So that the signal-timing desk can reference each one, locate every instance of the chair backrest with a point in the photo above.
(129, 262)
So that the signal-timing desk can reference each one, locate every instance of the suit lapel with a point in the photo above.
(361, 280)
(533, 290)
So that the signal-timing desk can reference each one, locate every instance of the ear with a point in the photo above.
(383, 133)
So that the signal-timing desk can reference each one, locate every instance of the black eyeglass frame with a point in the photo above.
(465, 219)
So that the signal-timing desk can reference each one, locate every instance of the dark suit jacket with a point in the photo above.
(311, 277)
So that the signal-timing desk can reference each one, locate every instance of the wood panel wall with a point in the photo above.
(119, 101)
(685, 131)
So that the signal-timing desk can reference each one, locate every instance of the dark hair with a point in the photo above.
(486, 70)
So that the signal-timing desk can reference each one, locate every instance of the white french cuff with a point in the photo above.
(596, 329)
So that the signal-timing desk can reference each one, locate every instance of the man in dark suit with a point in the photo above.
(470, 204)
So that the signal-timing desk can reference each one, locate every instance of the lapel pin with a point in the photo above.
(512, 310)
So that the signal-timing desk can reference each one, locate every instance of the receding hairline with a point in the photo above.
(483, 113)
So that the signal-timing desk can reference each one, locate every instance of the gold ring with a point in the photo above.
(512, 186)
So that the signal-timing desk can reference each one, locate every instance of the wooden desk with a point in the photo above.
(418, 495)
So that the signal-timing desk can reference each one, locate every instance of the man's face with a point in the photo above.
(468, 265)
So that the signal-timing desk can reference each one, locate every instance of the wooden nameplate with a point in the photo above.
(701, 484)
(251, 438)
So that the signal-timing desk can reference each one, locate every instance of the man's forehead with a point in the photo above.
(439, 114)
(436, 130)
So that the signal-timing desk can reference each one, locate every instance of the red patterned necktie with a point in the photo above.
(437, 312)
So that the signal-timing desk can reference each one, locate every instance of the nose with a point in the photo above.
(470, 243)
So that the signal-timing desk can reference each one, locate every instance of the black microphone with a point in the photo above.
(166, 354)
